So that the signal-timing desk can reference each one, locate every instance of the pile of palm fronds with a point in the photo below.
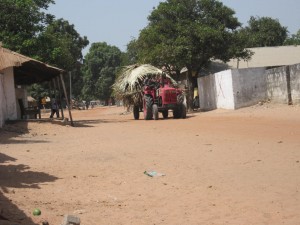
(128, 87)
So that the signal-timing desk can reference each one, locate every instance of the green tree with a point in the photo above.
(190, 33)
(293, 40)
(264, 31)
(60, 45)
(26, 28)
(38, 91)
(131, 53)
(100, 66)
(21, 21)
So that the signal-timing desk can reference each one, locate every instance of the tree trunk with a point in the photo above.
(190, 91)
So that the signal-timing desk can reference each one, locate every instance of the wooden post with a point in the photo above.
(50, 89)
(50, 96)
(65, 92)
(60, 99)
(55, 89)
(70, 77)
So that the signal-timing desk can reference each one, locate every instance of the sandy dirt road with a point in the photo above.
(221, 167)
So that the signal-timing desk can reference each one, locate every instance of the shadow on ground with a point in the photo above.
(170, 117)
(13, 130)
(13, 177)
(92, 123)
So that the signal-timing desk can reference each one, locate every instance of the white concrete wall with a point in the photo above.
(224, 90)
(249, 86)
(206, 90)
(8, 96)
(232, 89)
(277, 85)
(295, 83)
(9, 85)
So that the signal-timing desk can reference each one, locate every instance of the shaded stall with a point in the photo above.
(19, 70)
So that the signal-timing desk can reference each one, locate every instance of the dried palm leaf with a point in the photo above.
(129, 84)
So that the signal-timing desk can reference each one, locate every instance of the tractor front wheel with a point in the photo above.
(148, 102)
(183, 111)
(176, 113)
(180, 99)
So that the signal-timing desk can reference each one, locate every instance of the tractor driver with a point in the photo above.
(164, 80)
(149, 81)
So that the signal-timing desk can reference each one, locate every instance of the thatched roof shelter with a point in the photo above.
(27, 70)
(129, 84)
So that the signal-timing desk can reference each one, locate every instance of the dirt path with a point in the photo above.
(221, 167)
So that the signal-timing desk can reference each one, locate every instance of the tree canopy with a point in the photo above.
(25, 27)
(264, 31)
(61, 45)
(21, 22)
(190, 33)
(130, 57)
(100, 66)
(293, 40)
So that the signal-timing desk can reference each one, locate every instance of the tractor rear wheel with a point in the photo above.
(148, 102)
(165, 114)
(183, 111)
(136, 112)
(155, 111)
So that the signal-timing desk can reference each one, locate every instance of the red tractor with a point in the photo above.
(160, 96)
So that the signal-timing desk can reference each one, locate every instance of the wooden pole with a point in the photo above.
(50, 96)
(50, 89)
(55, 90)
(54, 87)
(60, 99)
(65, 92)
(70, 76)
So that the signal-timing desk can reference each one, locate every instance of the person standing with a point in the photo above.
(196, 103)
(54, 107)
